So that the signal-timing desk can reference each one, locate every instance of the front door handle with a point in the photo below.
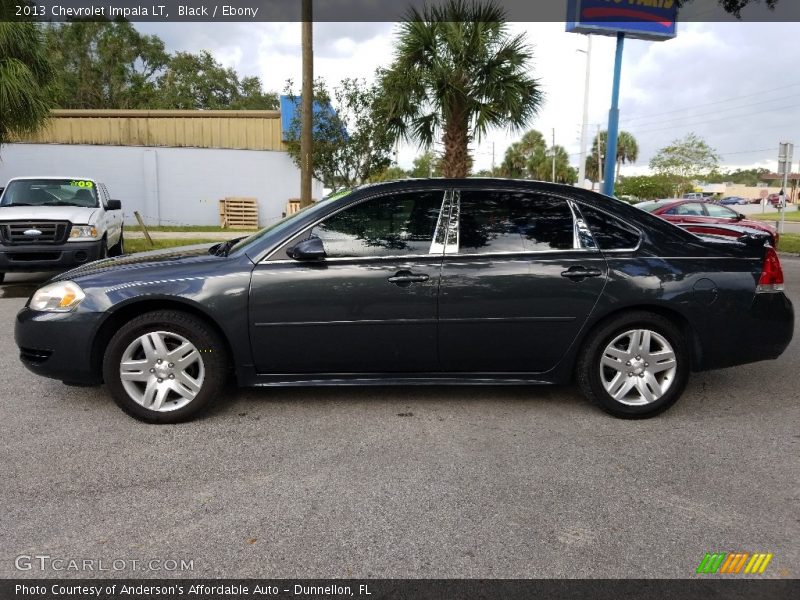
(578, 273)
(406, 278)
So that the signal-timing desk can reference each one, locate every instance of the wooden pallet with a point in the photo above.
(239, 213)
(293, 206)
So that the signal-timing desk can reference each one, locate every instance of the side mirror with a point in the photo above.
(740, 217)
(114, 205)
(310, 249)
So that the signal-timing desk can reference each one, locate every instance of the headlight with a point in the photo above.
(62, 296)
(83, 232)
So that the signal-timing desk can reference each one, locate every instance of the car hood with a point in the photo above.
(73, 214)
(141, 260)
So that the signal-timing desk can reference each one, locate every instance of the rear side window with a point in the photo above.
(513, 221)
(609, 232)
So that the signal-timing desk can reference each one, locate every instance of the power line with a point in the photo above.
(712, 103)
(728, 118)
(719, 110)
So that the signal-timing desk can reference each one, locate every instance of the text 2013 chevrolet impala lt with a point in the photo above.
(433, 281)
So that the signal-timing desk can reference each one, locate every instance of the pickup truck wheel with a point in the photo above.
(119, 249)
(165, 366)
(103, 249)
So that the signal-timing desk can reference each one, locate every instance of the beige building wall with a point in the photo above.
(224, 129)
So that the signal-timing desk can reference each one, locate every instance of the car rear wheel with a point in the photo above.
(165, 367)
(634, 366)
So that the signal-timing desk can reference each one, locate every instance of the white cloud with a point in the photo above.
(713, 79)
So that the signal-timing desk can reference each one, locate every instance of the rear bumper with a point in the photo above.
(44, 258)
(59, 345)
(763, 333)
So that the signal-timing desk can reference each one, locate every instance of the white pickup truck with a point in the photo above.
(50, 223)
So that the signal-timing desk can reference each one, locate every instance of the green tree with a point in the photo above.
(458, 72)
(531, 149)
(684, 160)
(734, 6)
(25, 76)
(627, 152)
(740, 176)
(109, 64)
(426, 164)
(389, 174)
(104, 64)
(352, 143)
(645, 187)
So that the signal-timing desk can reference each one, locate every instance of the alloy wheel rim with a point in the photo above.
(162, 371)
(638, 367)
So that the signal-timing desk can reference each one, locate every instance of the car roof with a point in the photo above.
(54, 177)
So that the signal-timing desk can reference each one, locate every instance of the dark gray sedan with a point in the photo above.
(474, 281)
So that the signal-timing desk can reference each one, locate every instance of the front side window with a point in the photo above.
(396, 225)
(513, 221)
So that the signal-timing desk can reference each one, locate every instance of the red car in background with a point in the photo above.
(705, 215)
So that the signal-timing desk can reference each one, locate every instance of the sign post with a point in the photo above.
(655, 21)
(785, 151)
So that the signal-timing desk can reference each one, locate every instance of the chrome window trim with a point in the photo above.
(576, 245)
(442, 225)
(616, 250)
(269, 253)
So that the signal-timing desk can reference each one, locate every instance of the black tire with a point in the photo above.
(195, 330)
(588, 371)
(2, 277)
(119, 248)
(103, 249)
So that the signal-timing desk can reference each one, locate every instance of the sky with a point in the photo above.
(734, 84)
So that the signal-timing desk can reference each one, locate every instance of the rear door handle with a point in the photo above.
(406, 278)
(579, 273)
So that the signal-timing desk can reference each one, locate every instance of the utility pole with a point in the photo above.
(553, 150)
(492, 159)
(585, 124)
(599, 160)
(307, 106)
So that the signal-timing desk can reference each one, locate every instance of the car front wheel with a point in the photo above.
(634, 366)
(165, 366)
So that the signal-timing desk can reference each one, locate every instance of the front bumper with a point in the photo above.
(59, 345)
(41, 257)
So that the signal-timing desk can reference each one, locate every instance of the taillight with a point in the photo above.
(771, 279)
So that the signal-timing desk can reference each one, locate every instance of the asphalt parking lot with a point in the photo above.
(403, 482)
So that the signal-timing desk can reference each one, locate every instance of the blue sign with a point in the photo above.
(290, 109)
(638, 19)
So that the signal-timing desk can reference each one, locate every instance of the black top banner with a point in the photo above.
(211, 11)
(399, 589)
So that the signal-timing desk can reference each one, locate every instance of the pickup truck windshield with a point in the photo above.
(50, 192)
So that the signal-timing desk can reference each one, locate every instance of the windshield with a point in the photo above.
(50, 192)
(286, 221)
(649, 206)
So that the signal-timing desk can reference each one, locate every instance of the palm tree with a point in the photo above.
(627, 150)
(457, 71)
(519, 155)
(25, 77)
